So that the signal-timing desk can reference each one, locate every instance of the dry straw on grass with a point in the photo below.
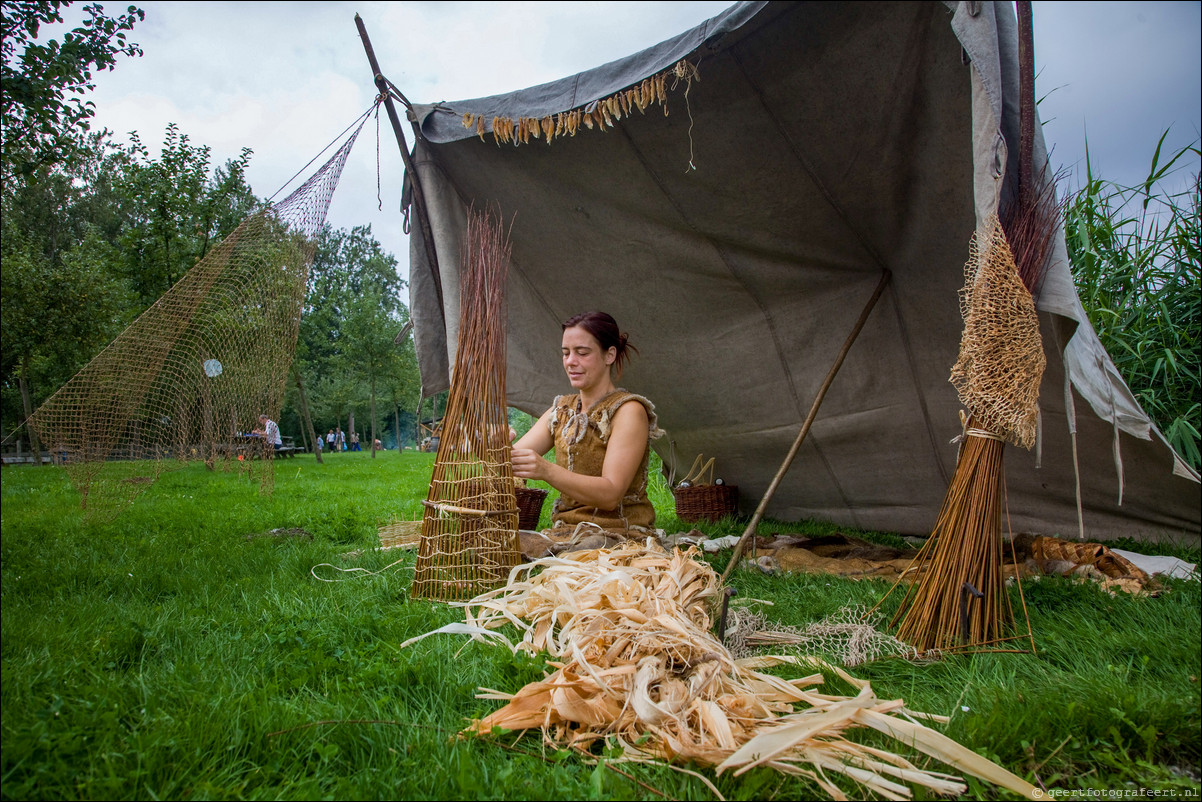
(635, 665)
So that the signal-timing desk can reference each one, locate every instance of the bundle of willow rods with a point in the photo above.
(469, 538)
(940, 611)
(959, 598)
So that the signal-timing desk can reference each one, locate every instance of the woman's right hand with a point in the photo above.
(528, 464)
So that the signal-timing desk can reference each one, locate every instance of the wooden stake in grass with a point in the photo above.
(469, 538)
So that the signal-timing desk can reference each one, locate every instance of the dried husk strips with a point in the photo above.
(634, 663)
(603, 113)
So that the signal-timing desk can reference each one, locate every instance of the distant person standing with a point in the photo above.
(339, 439)
(355, 442)
(330, 440)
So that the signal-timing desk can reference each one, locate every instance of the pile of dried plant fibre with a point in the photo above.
(634, 664)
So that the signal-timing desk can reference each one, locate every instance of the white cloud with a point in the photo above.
(285, 78)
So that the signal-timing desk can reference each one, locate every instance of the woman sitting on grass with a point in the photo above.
(601, 434)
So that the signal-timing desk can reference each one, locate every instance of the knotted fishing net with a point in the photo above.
(469, 539)
(188, 380)
(1001, 353)
(850, 636)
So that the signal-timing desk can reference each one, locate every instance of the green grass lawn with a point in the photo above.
(176, 652)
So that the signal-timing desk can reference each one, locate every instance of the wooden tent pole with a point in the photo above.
(1026, 100)
(805, 427)
(418, 196)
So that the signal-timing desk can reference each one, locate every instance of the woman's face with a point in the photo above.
(583, 360)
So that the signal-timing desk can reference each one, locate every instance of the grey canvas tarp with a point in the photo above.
(738, 238)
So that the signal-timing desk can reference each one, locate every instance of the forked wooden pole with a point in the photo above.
(418, 196)
(805, 427)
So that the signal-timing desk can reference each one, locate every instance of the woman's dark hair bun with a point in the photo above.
(604, 329)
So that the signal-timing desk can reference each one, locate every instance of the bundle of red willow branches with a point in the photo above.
(469, 538)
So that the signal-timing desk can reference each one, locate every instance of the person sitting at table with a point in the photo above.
(269, 431)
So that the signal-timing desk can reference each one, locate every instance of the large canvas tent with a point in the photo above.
(738, 238)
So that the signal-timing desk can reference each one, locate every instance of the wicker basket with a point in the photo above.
(698, 498)
(530, 506)
(706, 502)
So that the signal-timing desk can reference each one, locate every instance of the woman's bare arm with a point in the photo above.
(623, 457)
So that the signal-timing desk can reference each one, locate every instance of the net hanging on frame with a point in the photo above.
(469, 539)
(189, 378)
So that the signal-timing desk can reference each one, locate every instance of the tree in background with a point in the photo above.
(63, 299)
(370, 329)
(346, 353)
(176, 208)
(88, 244)
(93, 233)
(42, 86)
(56, 313)
(1134, 253)
(403, 386)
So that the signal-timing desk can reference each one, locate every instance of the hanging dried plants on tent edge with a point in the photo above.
(600, 114)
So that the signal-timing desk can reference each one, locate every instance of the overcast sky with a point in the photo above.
(284, 78)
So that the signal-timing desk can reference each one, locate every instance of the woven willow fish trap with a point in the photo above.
(469, 537)
(960, 600)
(189, 378)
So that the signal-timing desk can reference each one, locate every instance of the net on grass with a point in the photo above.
(469, 539)
(189, 378)
(849, 636)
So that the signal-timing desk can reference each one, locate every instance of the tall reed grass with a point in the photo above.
(1135, 256)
